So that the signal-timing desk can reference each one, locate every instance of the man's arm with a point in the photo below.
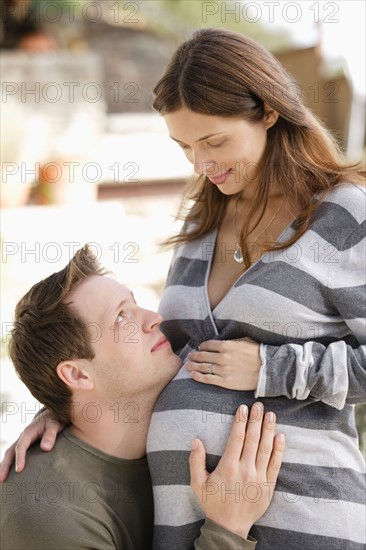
(238, 492)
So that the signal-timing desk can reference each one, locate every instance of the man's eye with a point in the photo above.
(120, 317)
(185, 147)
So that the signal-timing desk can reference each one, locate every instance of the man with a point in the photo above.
(98, 361)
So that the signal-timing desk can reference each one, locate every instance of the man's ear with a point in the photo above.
(270, 116)
(75, 375)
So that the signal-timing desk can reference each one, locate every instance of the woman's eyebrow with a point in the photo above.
(200, 139)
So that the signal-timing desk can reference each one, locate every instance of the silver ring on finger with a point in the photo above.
(209, 367)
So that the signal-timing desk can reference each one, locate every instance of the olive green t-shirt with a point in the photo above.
(77, 497)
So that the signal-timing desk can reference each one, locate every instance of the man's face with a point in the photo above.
(132, 356)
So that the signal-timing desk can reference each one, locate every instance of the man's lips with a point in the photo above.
(161, 343)
(219, 179)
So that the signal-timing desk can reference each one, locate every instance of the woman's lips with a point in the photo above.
(220, 179)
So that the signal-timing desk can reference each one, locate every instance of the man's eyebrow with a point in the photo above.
(122, 303)
(120, 306)
(200, 139)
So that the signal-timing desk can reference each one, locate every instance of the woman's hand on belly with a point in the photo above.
(231, 364)
(238, 492)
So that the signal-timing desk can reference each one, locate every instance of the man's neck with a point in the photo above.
(120, 430)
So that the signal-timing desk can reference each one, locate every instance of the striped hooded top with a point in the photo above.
(306, 305)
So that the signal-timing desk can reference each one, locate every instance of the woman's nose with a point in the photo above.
(206, 167)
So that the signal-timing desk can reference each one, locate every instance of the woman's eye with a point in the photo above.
(216, 144)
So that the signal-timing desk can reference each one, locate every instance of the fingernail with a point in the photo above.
(256, 408)
(194, 444)
(17, 467)
(281, 438)
(244, 410)
(271, 417)
(46, 444)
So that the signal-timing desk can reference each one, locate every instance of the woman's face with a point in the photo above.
(225, 149)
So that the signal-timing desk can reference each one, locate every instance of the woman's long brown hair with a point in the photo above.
(220, 72)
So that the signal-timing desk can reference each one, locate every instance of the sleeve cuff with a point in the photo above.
(261, 386)
(215, 537)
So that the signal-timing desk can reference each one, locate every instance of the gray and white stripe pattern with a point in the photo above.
(307, 307)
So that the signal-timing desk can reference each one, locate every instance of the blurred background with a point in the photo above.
(85, 159)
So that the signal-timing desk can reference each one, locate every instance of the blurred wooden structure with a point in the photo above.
(328, 93)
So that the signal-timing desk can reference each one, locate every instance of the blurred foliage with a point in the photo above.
(77, 4)
(178, 18)
(181, 17)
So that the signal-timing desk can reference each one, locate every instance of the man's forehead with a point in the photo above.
(99, 292)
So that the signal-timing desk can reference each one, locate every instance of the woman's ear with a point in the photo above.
(270, 116)
(75, 375)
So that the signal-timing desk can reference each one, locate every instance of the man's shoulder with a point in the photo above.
(41, 479)
(55, 526)
(76, 494)
(51, 503)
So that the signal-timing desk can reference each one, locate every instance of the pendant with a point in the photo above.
(238, 256)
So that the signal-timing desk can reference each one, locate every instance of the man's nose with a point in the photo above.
(150, 320)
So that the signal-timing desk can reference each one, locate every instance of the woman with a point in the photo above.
(271, 256)
(267, 283)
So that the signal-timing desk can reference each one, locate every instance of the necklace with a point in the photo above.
(238, 256)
